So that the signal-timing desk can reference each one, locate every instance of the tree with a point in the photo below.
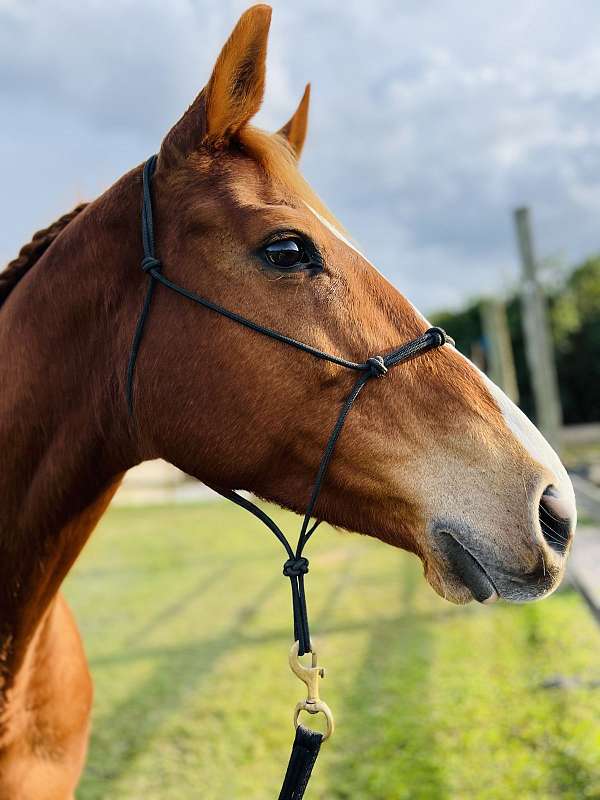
(575, 322)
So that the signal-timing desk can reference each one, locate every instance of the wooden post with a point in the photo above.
(500, 361)
(538, 340)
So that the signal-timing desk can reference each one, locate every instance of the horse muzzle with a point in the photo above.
(528, 570)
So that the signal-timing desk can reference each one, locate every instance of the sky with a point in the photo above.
(431, 120)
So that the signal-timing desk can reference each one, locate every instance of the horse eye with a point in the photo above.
(286, 253)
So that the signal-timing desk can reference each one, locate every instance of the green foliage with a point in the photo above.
(574, 309)
(578, 360)
(464, 327)
(186, 621)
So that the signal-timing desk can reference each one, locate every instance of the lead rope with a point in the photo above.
(306, 743)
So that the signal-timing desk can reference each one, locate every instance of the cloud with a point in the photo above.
(430, 122)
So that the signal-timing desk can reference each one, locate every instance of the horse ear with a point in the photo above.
(295, 128)
(234, 92)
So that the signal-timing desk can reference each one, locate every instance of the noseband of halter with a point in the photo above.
(296, 565)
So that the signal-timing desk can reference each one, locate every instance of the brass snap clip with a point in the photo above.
(311, 677)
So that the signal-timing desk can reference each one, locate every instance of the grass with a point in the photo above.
(186, 620)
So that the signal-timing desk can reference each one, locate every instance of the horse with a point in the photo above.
(434, 459)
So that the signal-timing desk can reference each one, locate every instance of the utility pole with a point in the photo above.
(500, 361)
(538, 340)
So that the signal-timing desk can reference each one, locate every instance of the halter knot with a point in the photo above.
(377, 366)
(149, 263)
(294, 567)
(442, 336)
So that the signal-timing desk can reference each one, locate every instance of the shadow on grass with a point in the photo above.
(396, 626)
(569, 776)
(123, 734)
(387, 748)
(177, 672)
(179, 604)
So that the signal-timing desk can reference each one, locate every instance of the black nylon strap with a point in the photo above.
(305, 750)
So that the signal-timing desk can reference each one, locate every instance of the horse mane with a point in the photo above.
(31, 252)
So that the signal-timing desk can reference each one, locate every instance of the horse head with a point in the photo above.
(434, 459)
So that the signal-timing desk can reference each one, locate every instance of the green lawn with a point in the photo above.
(186, 621)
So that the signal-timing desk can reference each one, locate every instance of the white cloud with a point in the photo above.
(431, 120)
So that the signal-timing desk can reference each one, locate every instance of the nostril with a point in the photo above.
(554, 520)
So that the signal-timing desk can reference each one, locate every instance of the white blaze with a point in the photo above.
(339, 235)
(332, 229)
(532, 440)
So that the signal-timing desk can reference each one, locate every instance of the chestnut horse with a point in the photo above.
(433, 459)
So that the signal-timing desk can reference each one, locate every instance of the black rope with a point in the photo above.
(306, 743)
(255, 326)
(151, 266)
(296, 565)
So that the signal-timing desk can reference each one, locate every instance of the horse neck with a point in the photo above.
(64, 432)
